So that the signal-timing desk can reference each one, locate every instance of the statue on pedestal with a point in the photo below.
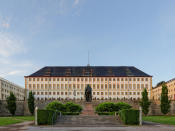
(88, 93)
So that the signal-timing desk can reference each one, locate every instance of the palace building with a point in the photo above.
(6, 87)
(156, 91)
(107, 82)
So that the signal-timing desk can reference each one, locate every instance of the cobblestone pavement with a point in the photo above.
(127, 128)
(28, 126)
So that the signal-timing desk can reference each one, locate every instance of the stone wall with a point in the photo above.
(155, 108)
(22, 106)
(19, 108)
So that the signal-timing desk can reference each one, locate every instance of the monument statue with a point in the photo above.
(88, 93)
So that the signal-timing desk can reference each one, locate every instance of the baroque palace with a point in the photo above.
(106, 82)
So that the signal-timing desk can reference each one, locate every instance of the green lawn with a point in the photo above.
(13, 120)
(161, 119)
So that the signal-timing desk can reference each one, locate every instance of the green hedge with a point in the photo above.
(68, 107)
(46, 117)
(112, 107)
(70, 113)
(106, 113)
(129, 116)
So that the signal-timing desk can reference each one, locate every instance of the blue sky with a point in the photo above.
(39, 33)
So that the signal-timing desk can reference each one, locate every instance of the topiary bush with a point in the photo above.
(129, 116)
(112, 107)
(45, 117)
(55, 105)
(123, 105)
(68, 107)
(106, 107)
(72, 107)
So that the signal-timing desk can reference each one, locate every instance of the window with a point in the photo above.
(93, 86)
(101, 86)
(122, 86)
(118, 86)
(97, 86)
(106, 87)
(109, 86)
(126, 86)
(138, 86)
(101, 93)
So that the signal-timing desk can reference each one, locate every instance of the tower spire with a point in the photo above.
(88, 59)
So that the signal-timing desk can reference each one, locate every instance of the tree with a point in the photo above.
(31, 102)
(165, 103)
(160, 83)
(145, 103)
(11, 103)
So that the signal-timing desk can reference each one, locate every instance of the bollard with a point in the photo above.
(140, 115)
(36, 115)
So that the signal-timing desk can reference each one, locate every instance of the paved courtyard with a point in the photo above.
(28, 126)
(127, 128)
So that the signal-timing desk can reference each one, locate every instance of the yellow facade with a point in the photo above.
(74, 87)
(158, 90)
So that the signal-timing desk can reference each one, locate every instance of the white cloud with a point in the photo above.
(76, 2)
(10, 45)
(16, 72)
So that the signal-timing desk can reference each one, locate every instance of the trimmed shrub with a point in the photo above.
(123, 105)
(70, 113)
(55, 105)
(106, 107)
(72, 107)
(46, 116)
(112, 107)
(68, 107)
(129, 116)
(106, 113)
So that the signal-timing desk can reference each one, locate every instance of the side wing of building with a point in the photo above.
(6, 87)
